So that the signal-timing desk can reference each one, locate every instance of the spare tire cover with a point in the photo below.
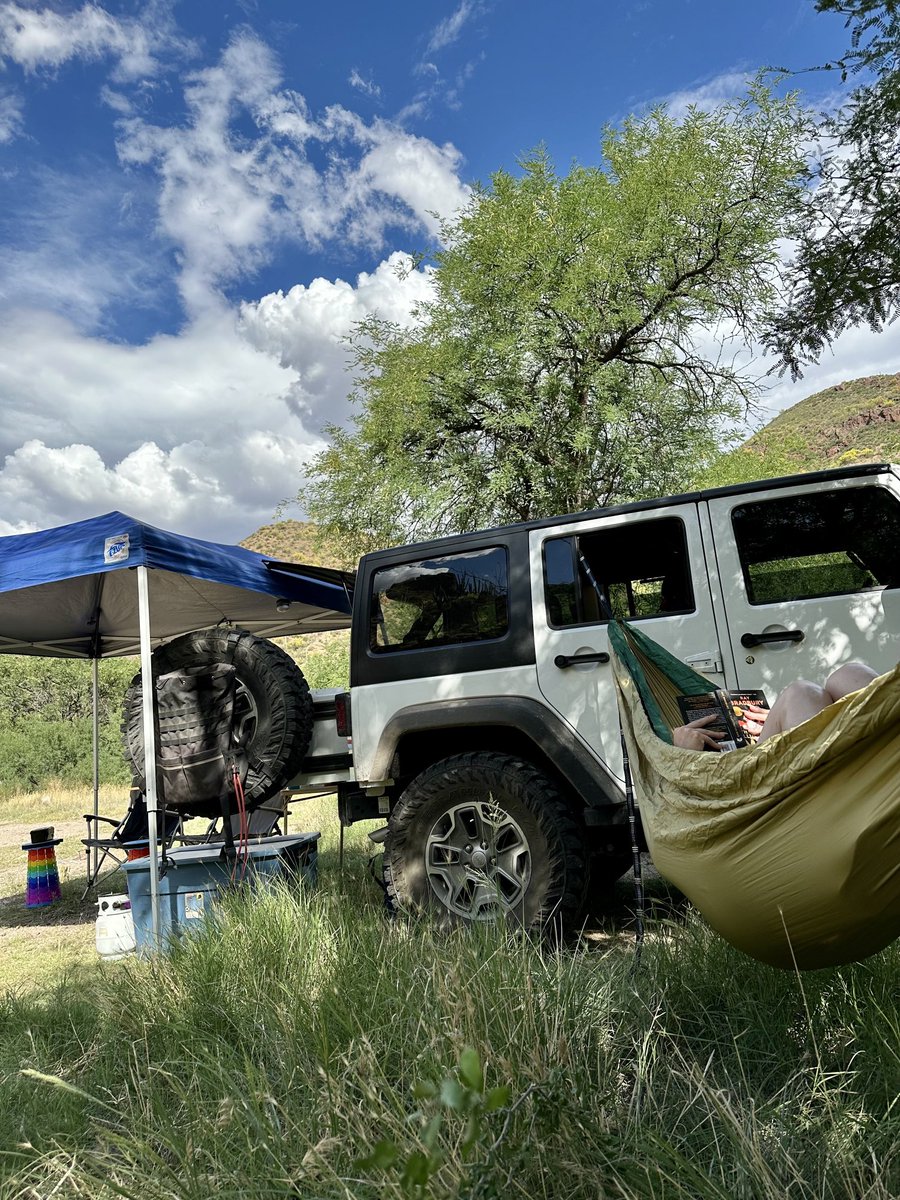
(274, 704)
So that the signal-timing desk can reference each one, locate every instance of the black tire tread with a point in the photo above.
(564, 902)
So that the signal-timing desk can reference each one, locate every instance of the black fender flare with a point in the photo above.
(590, 779)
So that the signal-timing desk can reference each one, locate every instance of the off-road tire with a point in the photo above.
(273, 682)
(554, 895)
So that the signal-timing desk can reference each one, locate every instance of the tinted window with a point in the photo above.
(440, 601)
(641, 570)
(827, 544)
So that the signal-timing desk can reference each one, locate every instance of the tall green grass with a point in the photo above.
(306, 1045)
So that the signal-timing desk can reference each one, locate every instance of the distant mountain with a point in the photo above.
(853, 422)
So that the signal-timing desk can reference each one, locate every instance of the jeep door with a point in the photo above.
(810, 576)
(650, 567)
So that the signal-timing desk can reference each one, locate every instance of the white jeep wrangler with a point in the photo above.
(484, 718)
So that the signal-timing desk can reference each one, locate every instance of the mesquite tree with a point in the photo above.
(569, 357)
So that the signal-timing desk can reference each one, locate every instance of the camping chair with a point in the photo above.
(789, 849)
(132, 827)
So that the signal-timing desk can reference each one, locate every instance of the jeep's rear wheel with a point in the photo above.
(482, 837)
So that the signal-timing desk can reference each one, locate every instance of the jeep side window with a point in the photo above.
(440, 601)
(820, 544)
(642, 568)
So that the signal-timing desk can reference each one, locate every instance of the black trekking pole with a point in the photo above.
(635, 858)
(629, 792)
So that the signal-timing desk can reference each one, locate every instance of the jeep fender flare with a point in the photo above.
(590, 779)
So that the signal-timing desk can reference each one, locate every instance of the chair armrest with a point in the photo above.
(108, 820)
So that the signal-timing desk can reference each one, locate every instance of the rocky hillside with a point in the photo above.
(291, 541)
(853, 422)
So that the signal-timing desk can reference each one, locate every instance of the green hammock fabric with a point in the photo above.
(790, 849)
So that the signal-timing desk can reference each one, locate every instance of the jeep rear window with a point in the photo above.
(641, 569)
(821, 544)
(440, 601)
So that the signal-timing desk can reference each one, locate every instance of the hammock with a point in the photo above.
(789, 849)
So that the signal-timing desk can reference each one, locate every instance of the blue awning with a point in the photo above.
(71, 591)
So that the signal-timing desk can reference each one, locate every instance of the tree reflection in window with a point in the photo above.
(440, 601)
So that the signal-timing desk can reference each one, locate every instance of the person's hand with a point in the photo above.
(695, 735)
(753, 718)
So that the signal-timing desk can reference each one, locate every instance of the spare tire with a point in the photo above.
(273, 707)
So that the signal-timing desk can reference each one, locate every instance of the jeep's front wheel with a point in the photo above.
(484, 836)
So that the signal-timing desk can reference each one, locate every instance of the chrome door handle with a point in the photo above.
(569, 660)
(759, 639)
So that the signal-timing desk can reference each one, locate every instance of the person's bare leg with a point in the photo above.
(849, 678)
(797, 703)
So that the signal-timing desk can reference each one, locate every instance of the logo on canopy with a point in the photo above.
(115, 549)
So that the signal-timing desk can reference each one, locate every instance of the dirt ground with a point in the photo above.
(39, 944)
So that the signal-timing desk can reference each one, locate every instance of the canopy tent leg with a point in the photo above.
(95, 680)
(148, 696)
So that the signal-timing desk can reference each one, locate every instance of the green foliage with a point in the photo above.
(463, 1096)
(324, 658)
(46, 721)
(59, 689)
(846, 270)
(35, 750)
(557, 366)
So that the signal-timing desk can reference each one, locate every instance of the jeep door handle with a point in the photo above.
(569, 660)
(759, 639)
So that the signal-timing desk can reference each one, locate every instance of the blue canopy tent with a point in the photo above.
(114, 586)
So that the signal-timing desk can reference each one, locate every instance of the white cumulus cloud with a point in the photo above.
(227, 199)
(36, 38)
(307, 327)
(206, 431)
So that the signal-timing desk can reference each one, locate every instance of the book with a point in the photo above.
(728, 708)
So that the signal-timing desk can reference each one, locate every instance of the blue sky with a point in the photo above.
(199, 199)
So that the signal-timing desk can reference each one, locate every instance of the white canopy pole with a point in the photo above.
(148, 697)
(95, 677)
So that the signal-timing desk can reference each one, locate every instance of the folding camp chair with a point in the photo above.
(133, 827)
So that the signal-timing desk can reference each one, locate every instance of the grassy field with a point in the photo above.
(307, 1045)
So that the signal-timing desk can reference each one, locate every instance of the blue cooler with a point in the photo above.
(194, 876)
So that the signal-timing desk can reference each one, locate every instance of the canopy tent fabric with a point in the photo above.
(112, 586)
(67, 592)
(790, 849)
